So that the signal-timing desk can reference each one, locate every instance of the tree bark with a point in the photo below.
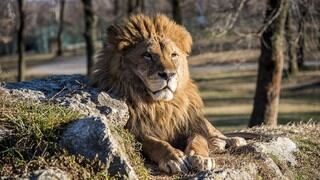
(60, 30)
(20, 43)
(266, 100)
(301, 30)
(115, 7)
(292, 45)
(176, 11)
(89, 33)
(135, 6)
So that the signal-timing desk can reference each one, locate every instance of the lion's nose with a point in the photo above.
(166, 75)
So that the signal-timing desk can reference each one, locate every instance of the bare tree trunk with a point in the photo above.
(60, 30)
(292, 45)
(176, 11)
(301, 30)
(89, 33)
(115, 7)
(135, 6)
(266, 100)
(20, 43)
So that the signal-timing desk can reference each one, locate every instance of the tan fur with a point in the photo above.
(163, 127)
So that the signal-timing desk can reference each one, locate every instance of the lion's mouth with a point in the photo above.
(165, 88)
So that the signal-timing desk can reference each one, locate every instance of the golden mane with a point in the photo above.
(140, 27)
(108, 72)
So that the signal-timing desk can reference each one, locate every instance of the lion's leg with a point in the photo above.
(168, 158)
(219, 141)
(197, 151)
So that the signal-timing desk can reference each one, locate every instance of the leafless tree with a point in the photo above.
(302, 30)
(292, 44)
(135, 6)
(20, 43)
(176, 11)
(89, 33)
(266, 100)
(61, 25)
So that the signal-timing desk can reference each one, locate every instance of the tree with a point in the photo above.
(20, 43)
(292, 45)
(301, 29)
(115, 7)
(176, 11)
(89, 33)
(266, 100)
(60, 30)
(135, 6)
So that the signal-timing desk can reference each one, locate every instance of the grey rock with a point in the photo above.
(90, 136)
(73, 92)
(50, 174)
(4, 133)
(280, 147)
(248, 172)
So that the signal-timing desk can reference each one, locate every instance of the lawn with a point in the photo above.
(228, 97)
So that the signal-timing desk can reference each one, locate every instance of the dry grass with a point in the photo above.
(32, 144)
(233, 56)
(133, 150)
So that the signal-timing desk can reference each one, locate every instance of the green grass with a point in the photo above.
(33, 144)
(133, 150)
(228, 98)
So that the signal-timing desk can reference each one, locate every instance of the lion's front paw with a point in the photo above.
(200, 163)
(176, 162)
(236, 142)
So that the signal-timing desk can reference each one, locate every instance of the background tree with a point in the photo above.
(60, 30)
(89, 33)
(176, 11)
(20, 43)
(301, 29)
(292, 44)
(135, 6)
(266, 100)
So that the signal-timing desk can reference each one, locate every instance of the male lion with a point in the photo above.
(144, 61)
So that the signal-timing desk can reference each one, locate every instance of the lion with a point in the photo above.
(144, 61)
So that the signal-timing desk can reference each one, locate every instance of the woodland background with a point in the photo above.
(255, 61)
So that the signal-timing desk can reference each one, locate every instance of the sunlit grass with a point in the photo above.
(33, 141)
(228, 97)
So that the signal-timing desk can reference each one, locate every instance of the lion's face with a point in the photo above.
(159, 63)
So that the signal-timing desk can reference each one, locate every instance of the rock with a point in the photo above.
(52, 174)
(4, 133)
(248, 172)
(73, 92)
(281, 147)
(90, 136)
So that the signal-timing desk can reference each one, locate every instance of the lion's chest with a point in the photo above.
(167, 123)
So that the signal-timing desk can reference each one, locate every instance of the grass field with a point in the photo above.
(228, 97)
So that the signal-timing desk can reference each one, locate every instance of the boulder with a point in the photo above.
(90, 136)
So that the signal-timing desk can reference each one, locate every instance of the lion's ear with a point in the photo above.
(185, 41)
(174, 31)
(115, 37)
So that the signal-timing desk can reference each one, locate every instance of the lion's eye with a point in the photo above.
(147, 56)
(174, 55)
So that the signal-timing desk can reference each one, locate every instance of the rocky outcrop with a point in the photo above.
(91, 136)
